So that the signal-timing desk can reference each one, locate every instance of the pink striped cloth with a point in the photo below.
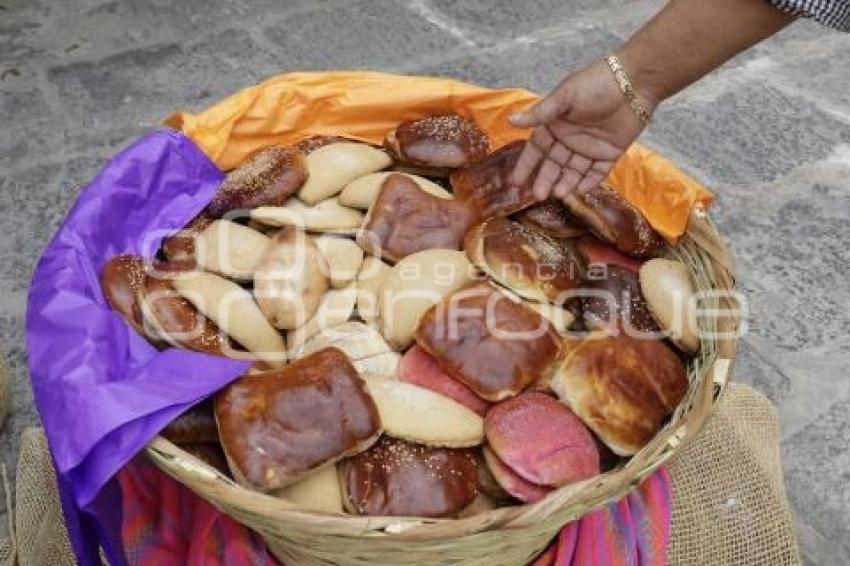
(165, 523)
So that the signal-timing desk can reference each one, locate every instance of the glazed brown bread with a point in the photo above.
(121, 280)
(276, 427)
(486, 184)
(524, 259)
(619, 300)
(445, 141)
(397, 478)
(175, 320)
(266, 178)
(622, 388)
(180, 246)
(494, 345)
(554, 218)
(197, 425)
(404, 219)
(614, 220)
(311, 144)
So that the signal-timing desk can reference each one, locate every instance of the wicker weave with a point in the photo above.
(506, 536)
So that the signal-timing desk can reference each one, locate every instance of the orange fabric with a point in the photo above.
(366, 105)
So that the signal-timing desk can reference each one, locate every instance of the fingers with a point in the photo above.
(583, 143)
(567, 183)
(546, 179)
(573, 172)
(551, 169)
(536, 147)
(592, 179)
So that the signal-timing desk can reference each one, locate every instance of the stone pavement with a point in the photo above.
(770, 132)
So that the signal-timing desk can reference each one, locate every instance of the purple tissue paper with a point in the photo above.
(102, 390)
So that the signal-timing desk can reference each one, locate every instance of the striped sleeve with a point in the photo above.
(832, 13)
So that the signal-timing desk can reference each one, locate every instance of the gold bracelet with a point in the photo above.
(638, 105)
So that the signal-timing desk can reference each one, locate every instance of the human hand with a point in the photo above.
(581, 128)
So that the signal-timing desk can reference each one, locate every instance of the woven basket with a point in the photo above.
(510, 535)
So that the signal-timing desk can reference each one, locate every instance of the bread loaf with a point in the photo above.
(446, 141)
(279, 426)
(622, 387)
(493, 344)
(396, 478)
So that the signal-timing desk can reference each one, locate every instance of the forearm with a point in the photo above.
(689, 38)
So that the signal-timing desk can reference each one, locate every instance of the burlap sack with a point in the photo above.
(729, 503)
(39, 536)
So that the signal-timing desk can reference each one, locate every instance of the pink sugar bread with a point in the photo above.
(517, 487)
(540, 439)
(418, 367)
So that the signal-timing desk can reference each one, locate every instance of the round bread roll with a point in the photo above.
(320, 491)
(621, 387)
(175, 320)
(511, 482)
(333, 166)
(552, 217)
(613, 219)
(334, 308)
(325, 216)
(233, 309)
(612, 299)
(230, 249)
(420, 368)
(444, 141)
(414, 285)
(266, 178)
(120, 282)
(395, 478)
(362, 192)
(370, 280)
(419, 415)
(540, 439)
(343, 257)
(524, 259)
(670, 297)
(290, 280)
(180, 246)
